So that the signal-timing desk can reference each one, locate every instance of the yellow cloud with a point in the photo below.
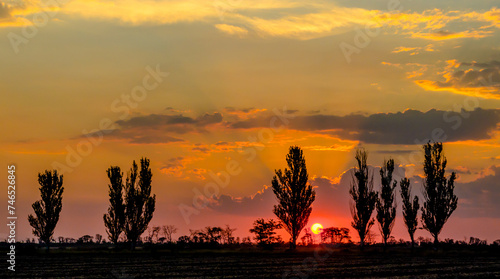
(404, 49)
(23, 13)
(335, 147)
(232, 30)
(313, 25)
(413, 50)
(492, 16)
(323, 19)
(487, 92)
(397, 65)
(430, 19)
(446, 35)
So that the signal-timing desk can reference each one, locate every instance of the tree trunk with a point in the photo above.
(293, 243)
(436, 241)
(412, 242)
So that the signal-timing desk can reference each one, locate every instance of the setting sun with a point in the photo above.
(317, 228)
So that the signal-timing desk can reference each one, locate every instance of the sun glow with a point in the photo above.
(317, 228)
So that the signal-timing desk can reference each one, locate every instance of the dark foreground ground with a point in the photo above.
(308, 263)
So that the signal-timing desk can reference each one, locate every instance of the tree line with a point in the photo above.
(131, 203)
(295, 196)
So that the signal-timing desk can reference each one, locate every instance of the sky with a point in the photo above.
(215, 92)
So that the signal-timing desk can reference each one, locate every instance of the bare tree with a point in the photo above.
(98, 238)
(139, 204)
(439, 199)
(386, 202)
(410, 210)
(153, 233)
(168, 231)
(295, 196)
(47, 209)
(114, 220)
(227, 235)
(363, 197)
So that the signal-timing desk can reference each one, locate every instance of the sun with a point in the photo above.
(317, 228)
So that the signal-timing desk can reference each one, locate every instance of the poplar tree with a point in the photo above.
(439, 198)
(295, 196)
(363, 197)
(114, 220)
(386, 202)
(47, 209)
(410, 210)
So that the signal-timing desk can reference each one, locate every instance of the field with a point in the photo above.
(306, 263)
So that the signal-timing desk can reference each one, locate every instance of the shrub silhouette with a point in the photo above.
(265, 231)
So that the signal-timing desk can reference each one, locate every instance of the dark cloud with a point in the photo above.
(134, 136)
(244, 110)
(476, 199)
(482, 80)
(208, 119)
(166, 121)
(492, 64)
(473, 78)
(155, 120)
(443, 33)
(158, 128)
(480, 198)
(200, 148)
(332, 195)
(409, 127)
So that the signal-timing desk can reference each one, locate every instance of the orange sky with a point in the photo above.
(196, 85)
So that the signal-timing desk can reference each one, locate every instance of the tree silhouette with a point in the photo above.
(227, 235)
(336, 235)
(114, 220)
(265, 231)
(439, 199)
(294, 195)
(213, 234)
(168, 231)
(47, 209)
(386, 202)
(363, 197)
(410, 210)
(139, 204)
(307, 238)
